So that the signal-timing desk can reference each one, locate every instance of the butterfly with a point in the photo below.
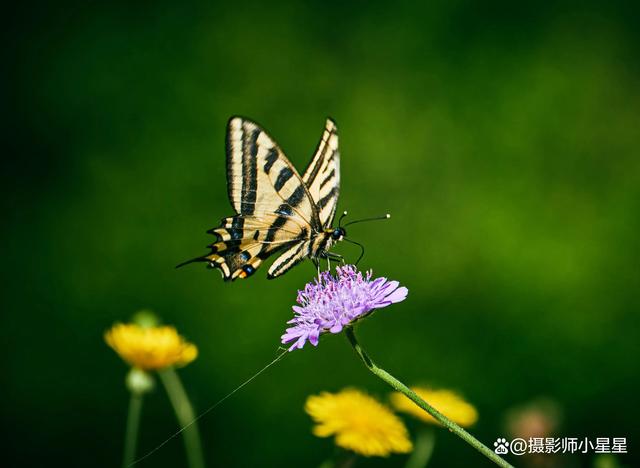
(277, 210)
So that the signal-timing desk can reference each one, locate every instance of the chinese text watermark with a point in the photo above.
(519, 446)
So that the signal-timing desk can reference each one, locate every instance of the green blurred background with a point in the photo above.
(503, 138)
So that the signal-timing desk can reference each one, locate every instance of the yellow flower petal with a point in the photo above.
(359, 422)
(447, 402)
(150, 348)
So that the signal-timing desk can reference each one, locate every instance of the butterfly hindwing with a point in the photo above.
(289, 258)
(243, 242)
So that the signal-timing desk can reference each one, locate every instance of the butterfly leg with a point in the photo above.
(317, 264)
(334, 256)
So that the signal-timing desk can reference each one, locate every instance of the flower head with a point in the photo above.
(359, 422)
(447, 402)
(150, 348)
(330, 303)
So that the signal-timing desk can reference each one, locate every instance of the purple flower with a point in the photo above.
(330, 303)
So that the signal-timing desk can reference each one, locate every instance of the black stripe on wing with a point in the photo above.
(249, 171)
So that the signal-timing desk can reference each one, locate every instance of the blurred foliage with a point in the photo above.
(503, 138)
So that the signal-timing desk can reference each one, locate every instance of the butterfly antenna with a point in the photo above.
(361, 249)
(376, 218)
(344, 213)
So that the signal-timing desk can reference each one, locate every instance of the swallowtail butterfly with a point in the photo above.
(277, 210)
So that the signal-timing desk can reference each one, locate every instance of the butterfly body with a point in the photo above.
(277, 210)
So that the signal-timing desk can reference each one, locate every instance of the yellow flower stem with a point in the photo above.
(185, 414)
(422, 449)
(441, 418)
(342, 459)
(347, 461)
(131, 434)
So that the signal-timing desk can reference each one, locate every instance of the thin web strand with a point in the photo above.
(211, 408)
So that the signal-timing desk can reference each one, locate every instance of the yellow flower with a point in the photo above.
(150, 348)
(447, 402)
(359, 422)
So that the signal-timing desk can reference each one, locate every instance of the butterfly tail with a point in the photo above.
(193, 260)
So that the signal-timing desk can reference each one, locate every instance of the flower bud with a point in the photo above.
(139, 381)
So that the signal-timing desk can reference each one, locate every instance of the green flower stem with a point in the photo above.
(186, 416)
(441, 418)
(131, 434)
(422, 449)
(342, 460)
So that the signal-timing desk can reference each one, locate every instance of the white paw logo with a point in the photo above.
(501, 446)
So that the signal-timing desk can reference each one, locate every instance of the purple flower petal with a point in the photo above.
(389, 287)
(314, 337)
(398, 295)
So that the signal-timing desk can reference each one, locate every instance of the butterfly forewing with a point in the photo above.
(322, 176)
(260, 178)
